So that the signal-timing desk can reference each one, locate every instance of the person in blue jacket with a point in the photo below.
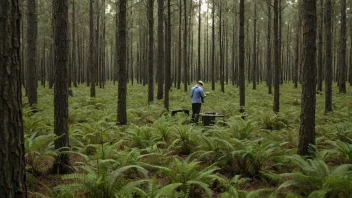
(197, 95)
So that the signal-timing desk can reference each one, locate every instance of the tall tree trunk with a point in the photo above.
(320, 48)
(12, 160)
(342, 65)
(61, 86)
(179, 46)
(241, 54)
(221, 49)
(150, 11)
(74, 62)
(307, 123)
(168, 56)
(268, 58)
(350, 70)
(91, 51)
(160, 49)
(328, 56)
(213, 48)
(276, 59)
(97, 45)
(32, 29)
(121, 48)
(103, 56)
(185, 55)
(255, 47)
(298, 37)
(199, 39)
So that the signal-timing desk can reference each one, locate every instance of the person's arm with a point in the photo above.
(191, 92)
(202, 94)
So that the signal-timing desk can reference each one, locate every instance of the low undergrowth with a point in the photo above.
(157, 155)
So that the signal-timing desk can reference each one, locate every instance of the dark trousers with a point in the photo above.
(195, 111)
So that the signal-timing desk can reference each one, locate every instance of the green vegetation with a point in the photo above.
(157, 155)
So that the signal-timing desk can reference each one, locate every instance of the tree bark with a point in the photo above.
(320, 49)
(121, 48)
(32, 30)
(150, 17)
(241, 54)
(255, 48)
(12, 160)
(199, 39)
(168, 56)
(276, 59)
(160, 49)
(74, 62)
(328, 56)
(61, 86)
(179, 46)
(298, 37)
(307, 119)
(268, 58)
(213, 48)
(342, 65)
(91, 51)
(185, 55)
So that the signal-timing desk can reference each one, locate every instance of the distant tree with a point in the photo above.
(268, 47)
(241, 53)
(254, 74)
(328, 56)
(32, 29)
(213, 47)
(179, 46)
(199, 39)
(61, 86)
(168, 56)
(307, 119)
(121, 48)
(74, 63)
(320, 48)
(276, 58)
(12, 160)
(160, 49)
(91, 51)
(298, 37)
(342, 65)
(150, 17)
(185, 57)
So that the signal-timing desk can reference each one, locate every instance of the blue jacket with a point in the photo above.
(197, 94)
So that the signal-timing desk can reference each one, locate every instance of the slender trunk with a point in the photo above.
(74, 63)
(328, 56)
(213, 48)
(276, 59)
(268, 58)
(320, 49)
(32, 30)
(61, 87)
(307, 123)
(121, 49)
(91, 51)
(342, 66)
(255, 47)
(185, 55)
(160, 49)
(199, 39)
(168, 56)
(241, 53)
(298, 36)
(150, 12)
(221, 50)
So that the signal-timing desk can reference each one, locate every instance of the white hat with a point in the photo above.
(200, 82)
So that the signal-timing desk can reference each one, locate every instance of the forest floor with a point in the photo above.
(254, 157)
